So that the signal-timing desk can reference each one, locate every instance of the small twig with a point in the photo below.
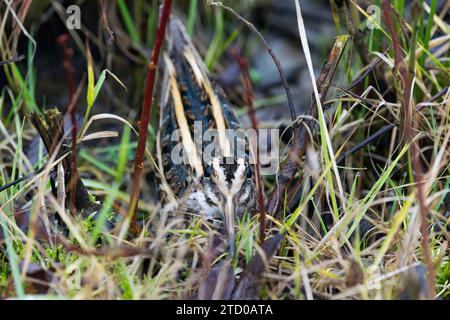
(19, 180)
(12, 60)
(366, 72)
(145, 114)
(422, 105)
(105, 19)
(251, 113)
(366, 141)
(356, 96)
(301, 138)
(110, 252)
(269, 51)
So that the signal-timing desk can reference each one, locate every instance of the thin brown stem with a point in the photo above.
(251, 113)
(301, 136)
(269, 51)
(404, 85)
(145, 113)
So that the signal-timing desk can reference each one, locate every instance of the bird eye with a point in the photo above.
(208, 171)
(248, 173)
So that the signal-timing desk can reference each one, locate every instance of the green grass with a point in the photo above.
(374, 184)
(128, 21)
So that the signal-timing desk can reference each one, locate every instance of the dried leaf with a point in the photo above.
(354, 274)
(219, 283)
(249, 285)
(414, 284)
(39, 278)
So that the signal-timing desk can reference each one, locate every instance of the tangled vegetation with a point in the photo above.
(359, 208)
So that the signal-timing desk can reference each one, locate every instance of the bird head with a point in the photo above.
(229, 184)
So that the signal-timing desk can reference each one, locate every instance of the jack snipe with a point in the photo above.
(217, 188)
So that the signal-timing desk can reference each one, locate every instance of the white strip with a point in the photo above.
(304, 41)
(237, 180)
(221, 180)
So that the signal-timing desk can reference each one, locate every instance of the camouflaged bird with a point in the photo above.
(218, 188)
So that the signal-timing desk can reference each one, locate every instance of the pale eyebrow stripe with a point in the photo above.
(221, 181)
(237, 181)
(187, 141)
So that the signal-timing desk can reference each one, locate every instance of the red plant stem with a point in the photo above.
(68, 66)
(395, 41)
(403, 76)
(423, 210)
(22, 14)
(251, 113)
(145, 113)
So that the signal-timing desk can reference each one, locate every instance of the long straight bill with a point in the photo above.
(229, 223)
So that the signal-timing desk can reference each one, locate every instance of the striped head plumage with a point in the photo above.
(218, 187)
